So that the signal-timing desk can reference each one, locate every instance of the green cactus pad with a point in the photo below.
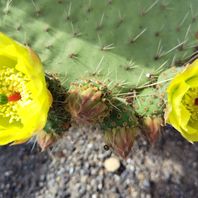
(116, 40)
(148, 103)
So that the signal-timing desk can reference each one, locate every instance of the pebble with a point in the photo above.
(84, 170)
(112, 164)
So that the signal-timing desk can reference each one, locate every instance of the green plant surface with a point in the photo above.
(119, 40)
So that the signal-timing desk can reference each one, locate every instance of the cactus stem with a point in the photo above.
(73, 55)
(160, 68)
(172, 49)
(37, 9)
(173, 60)
(132, 40)
(48, 46)
(159, 51)
(138, 81)
(7, 7)
(75, 33)
(157, 34)
(154, 84)
(120, 19)
(99, 25)
(182, 22)
(108, 47)
(136, 96)
(18, 28)
(89, 7)
(138, 101)
(99, 64)
(98, 69)
(68, 12)
(130, 65)
(113, 105)
(109, 2)
(194, 16)
(145, 11)
(187, 32)
(47, 29)
(165, 6)
(60, 1)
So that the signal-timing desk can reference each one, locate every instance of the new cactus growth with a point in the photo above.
(149, 106)
(88, 101)
(120, 129)
(148, 103)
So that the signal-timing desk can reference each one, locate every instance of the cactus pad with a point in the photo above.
(117, 40)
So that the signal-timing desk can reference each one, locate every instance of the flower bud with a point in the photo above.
(152, 128)
(121, 140)
(45, 140)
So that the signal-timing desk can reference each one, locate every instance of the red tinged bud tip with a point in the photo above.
(14, 97)
(45, 140)
(121, 140)
(153, 128)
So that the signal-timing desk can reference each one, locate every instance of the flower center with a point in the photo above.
(14, 93)
(190, 101)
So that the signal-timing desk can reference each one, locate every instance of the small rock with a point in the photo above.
(94, 196)
(112, 164)
(146, 184)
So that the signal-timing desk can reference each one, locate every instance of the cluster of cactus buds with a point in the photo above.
(117, 70)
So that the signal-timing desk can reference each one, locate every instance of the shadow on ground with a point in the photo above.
(20, 170)
(167, 170)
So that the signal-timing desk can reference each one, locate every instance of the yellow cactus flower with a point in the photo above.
(182, 109)
(24, 97)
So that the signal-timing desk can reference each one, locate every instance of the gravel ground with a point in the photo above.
(75, 169)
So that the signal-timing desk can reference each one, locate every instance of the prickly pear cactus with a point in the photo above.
(108, 55)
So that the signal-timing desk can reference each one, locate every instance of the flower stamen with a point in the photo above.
(190, 101)
(14, 94)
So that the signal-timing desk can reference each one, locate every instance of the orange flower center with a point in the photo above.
(14, 97)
